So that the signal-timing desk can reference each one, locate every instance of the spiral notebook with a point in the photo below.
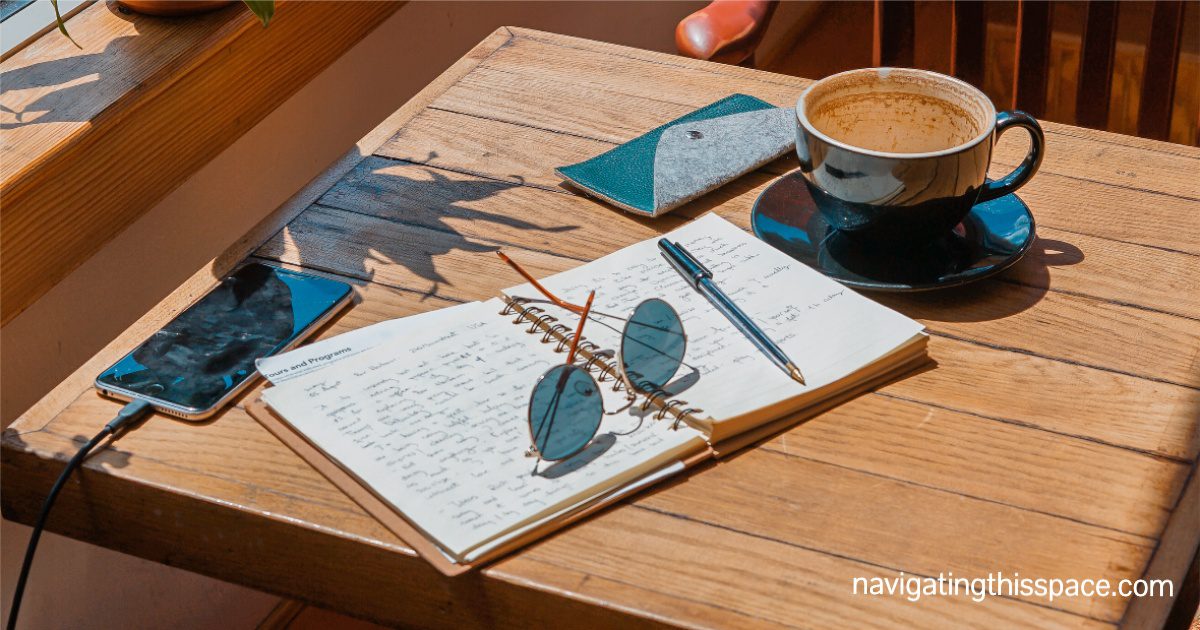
(425, 424)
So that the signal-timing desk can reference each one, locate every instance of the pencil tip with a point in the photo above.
(794, 372)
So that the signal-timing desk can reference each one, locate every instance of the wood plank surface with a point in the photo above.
(381, 207)
(892, 440)
(81, 125)
(1056, 436)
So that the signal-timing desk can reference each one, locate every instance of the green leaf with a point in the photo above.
(264, 9)
(62, 26)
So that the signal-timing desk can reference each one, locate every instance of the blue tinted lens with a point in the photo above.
(653, 344)
(564, 411)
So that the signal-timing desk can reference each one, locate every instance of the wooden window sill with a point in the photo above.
(94, 137)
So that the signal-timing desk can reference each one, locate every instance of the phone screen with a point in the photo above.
(209, 350)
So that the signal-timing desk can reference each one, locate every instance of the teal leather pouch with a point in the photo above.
(687, 157)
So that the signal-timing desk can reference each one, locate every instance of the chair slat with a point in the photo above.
(1161, 68)
(1033, 56)
(895, 22)
(1096, 64)
(967, 40)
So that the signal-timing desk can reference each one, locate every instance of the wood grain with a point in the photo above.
(893, 32)
(1056, 437)
(808, 483)
(206, 277)
(1160, 68)
(388, 201)
(889, 437)
(1033, 57)
(1097, 56)
(617, 78)
(1104, 181)
(419, 193)
(995, 384)
(968, 28)
(172, 94)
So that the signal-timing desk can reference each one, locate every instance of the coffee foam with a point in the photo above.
(897, 110)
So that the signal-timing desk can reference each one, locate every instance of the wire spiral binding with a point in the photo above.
(527, 314)
(562, 330)
(597, 362)
(662, 412)
(680, 415)
(541, 321)
(652, 395)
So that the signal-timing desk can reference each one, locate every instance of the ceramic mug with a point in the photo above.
(899, 156)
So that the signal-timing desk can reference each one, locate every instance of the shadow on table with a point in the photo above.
(66, 104)
(406, 205)
(1010, 293)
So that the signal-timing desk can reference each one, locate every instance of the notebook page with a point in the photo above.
(828, 330)
(568, 510)
(437, 427)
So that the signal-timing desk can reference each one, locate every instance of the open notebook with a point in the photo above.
(423, 420)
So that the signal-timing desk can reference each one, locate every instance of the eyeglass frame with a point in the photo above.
(622, 372)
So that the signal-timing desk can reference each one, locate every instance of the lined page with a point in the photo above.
(437, 427)
(827, 329)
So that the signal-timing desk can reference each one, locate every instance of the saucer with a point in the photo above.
(993, 237)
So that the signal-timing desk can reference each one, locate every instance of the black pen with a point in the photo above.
(700, 278)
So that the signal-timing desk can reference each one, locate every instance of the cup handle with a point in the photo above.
(1014, 180)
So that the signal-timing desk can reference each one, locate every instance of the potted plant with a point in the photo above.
(264, 9)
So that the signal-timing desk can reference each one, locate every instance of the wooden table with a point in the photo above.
(1057, 437)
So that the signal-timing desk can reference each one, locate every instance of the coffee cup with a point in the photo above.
(897, 156)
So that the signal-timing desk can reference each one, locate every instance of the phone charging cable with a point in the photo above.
(129, 415)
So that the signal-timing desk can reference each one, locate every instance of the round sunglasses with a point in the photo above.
(566, 406)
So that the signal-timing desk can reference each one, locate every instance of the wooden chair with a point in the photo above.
(729, 31)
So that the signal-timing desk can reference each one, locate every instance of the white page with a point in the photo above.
(320, 354)
(828, 330)
(608, 498)
(437, 428)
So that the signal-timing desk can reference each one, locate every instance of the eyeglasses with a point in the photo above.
(566, 408)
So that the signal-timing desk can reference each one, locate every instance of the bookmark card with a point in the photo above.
(320, 354)
(687, 157)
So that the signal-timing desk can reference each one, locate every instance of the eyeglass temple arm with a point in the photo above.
(574, 308)
(579, 329)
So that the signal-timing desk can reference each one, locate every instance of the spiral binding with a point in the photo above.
(597, 360)
(560, 330)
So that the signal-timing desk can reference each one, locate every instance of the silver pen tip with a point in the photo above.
(794, 372)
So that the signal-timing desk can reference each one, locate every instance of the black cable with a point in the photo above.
(129, 414)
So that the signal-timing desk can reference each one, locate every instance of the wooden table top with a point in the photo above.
(1056, 438)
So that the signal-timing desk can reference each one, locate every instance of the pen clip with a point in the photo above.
(704, 270)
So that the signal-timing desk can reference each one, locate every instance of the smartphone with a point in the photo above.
(205, 356)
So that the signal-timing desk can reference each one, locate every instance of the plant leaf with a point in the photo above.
(62, 27)
(264, 9)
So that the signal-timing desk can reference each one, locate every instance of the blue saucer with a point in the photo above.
(991, 239)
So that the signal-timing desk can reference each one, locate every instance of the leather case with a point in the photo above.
(687, 157)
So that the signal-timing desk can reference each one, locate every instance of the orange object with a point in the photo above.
(574, 308)
(587, 308)
(725, 31)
